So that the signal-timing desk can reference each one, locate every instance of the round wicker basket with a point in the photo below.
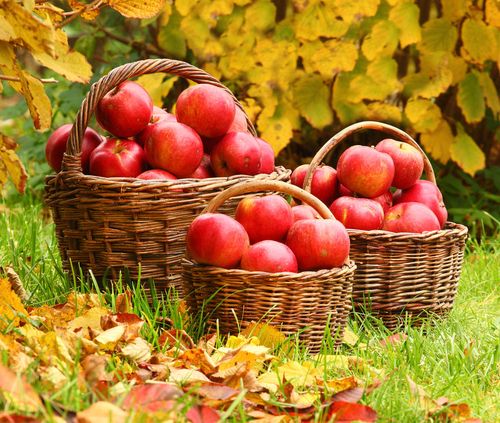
(112, 225)
(307, 303)
(401, 277)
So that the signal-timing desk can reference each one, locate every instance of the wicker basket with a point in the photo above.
(107, 225)
(401, 277)
(304, 302)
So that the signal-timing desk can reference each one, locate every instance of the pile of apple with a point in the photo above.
(379, 188)
(268, 235)
(206, 137)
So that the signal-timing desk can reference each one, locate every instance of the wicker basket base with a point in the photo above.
(307, 303)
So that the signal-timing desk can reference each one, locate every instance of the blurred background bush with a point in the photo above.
(303, 69)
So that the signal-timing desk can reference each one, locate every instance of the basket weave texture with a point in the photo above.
(107, 225)
(307, 303)
(401, 277)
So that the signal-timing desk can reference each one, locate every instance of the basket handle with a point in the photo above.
(122, 73)
(358, 127)
(257, 186)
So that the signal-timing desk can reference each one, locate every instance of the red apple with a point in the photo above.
(269, 256)
(209, 110)
(156, 174)
(56, 146)
(159, 115)
(267, 158)
(126, 110)
(358, 213)
(408, 162)
(385, 200)
(343, 191)
(319, 244)
(324, 182)
(410, 217)
(175, 147)
(304, 211)
(116, 157)
(204, 170)
(396, 195)
(365, 171)
(216, 239)
(238, 153)
(267, 217)
(239, 124)
(427, 193)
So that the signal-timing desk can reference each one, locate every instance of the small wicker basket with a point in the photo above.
(401, 277)
(307, 303)
(107, 225)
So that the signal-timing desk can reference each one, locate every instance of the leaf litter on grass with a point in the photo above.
(83, 343)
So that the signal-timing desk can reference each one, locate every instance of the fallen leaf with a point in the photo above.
(102, 412)
(10, 305)
(108, 339)
(350, 412)
(17, 418)
(143, 395)
(267, 334)
(298, 374)
(89, 319)
(131, 322)
(217, 391)
(175, 338)
(94, 369)
(198, 358)
(202, 414)
(15, 390)
(183, 376)
(397, 338)
(349, 395)
(138, 350)
(123, 302)
(350, 338)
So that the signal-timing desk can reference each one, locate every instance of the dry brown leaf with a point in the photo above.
(197, 358)
(123, 302)
(94, 369)
(186, 376)
(131, 322)
(102, 412)
(175, 339)
(17, 392)
(138, 350)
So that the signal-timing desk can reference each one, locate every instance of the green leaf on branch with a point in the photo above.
(438, 35)
(466, 153)
(490, 92)
(479, 42)
(311, 96)
(470, 98)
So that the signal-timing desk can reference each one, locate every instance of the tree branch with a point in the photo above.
(17, 79)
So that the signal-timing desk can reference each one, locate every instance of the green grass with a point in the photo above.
(457, 357)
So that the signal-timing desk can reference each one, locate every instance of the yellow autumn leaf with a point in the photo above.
(171, 38)
(186, 7)
(479, 42)
(363, 87)
(427, 86)
(211, 10)
(353, 10)
(277, 129)
(7, 32)
(311, 97)
(142, 9)
(492, 12)
(470, 98)
(438, 35)
(405, 16)
(384, 71)
(261, 15)
(298, 374)
(429, 62)
(381, 41)
(72, 65)
(10, 305)
(10, 164)
(454, 10)
(152, 83)
(328, 57)
(466, 153)
(490, 91)
(423, 114)
(382, 112)
(91, 318)
(318, 20)
(268, 335)
(30, 31)
(346, 110)
(88, 15)
(438, 142)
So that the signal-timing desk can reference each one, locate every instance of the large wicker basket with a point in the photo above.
(107, 225)
(401, 277)
(307, 303)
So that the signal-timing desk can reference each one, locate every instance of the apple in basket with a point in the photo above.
(267, 157)
(358, 213)
(239, 124)
(157, 174)
(126, 110)
(269, 256)
(217, 240)
(324, 182)
(56, 146)
(268, 217)
(427, 193)
(174, 147)
(410, 217)
(159, 115)
(208, 109)
(408, 162)
(117, 157)
(303, 211)
(385, 200)
(365, 171)
(238, 153)
(204, 170)
(319, 244)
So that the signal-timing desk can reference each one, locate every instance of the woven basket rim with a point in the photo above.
(451, 228)
(221, 272)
